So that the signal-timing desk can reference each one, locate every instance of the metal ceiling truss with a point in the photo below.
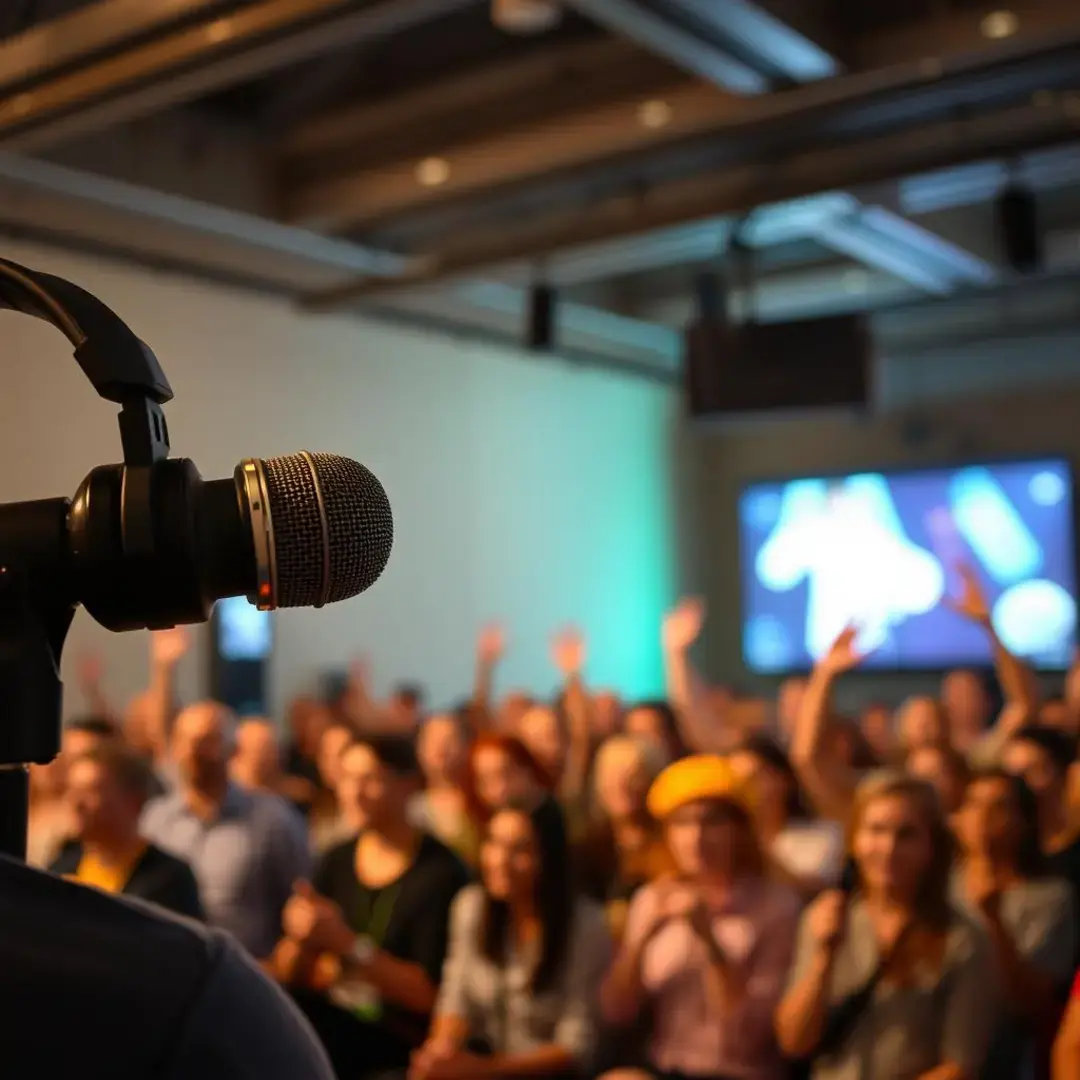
(263, 240)
(208, 51)
(725, 128)
(735, 191)
(877, 238)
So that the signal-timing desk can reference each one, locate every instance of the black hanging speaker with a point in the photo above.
(540, 332)
(751, 370)
(1018, 229)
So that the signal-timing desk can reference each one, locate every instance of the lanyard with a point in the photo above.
(377, 912)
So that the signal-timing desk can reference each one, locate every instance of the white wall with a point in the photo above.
(521, 488)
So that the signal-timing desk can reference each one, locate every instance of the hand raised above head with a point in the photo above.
(843, 654)
(970, 602)
(491, 643)
(568, 651)
(169, 646)
(682, 625)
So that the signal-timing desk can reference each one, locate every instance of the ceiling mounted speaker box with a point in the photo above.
(756, 369)
(1018, 228)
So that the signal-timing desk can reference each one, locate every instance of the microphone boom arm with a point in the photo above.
(120, 367)
(33, 627)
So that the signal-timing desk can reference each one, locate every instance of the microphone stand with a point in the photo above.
(36, 609)
(31, 638)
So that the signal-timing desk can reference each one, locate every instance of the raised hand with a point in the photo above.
(169, 647)
(682, 625)
(568, 651)
(843, 654)
(491, 644)
(359, 674)
(91, 669)
(971, 602)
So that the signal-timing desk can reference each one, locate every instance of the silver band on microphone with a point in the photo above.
(262, 534)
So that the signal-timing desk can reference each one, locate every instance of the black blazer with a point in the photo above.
(157, 877)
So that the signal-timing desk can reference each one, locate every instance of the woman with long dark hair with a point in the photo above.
(892, 981)
(1003, 881)
(526, 958)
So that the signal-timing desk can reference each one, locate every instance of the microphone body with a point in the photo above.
(156, 546)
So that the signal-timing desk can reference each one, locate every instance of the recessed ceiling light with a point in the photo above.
(654, 113)
(433, 171)
(219, 30)
(525, 17)
(1000, 24)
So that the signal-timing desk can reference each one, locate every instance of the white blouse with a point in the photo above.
(811, 850)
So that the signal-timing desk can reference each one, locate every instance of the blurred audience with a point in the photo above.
(107, 788)
(245, 847)
(809, 854)
(256, 760)
(441, 808)
(1002, 881)
(527, 953)
(700, 886)
(499, 772)
(705, 953)
(623, 848)
(892, 981)
(365, 941)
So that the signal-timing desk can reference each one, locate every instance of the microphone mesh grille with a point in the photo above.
(360, 527)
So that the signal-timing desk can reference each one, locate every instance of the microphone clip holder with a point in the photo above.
(34, 627)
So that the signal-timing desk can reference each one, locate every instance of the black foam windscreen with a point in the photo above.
(332, 525)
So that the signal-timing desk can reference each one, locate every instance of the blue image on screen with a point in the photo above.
(880, 551)
(244, 632)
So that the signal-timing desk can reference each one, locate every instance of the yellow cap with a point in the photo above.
(700, 776)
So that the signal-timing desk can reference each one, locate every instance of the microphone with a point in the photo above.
(302, 530)
(149, 544)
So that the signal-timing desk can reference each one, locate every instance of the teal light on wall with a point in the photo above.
(636, 584)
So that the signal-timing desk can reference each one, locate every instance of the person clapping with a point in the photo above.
(708, 951)
(366, 940)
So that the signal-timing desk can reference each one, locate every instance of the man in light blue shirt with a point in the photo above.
(246, 848)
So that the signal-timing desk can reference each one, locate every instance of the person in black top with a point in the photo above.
(105, 988)
(107, 789)
(366, 939)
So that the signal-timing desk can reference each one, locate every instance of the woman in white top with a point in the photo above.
(525, 961)
(808, 853)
